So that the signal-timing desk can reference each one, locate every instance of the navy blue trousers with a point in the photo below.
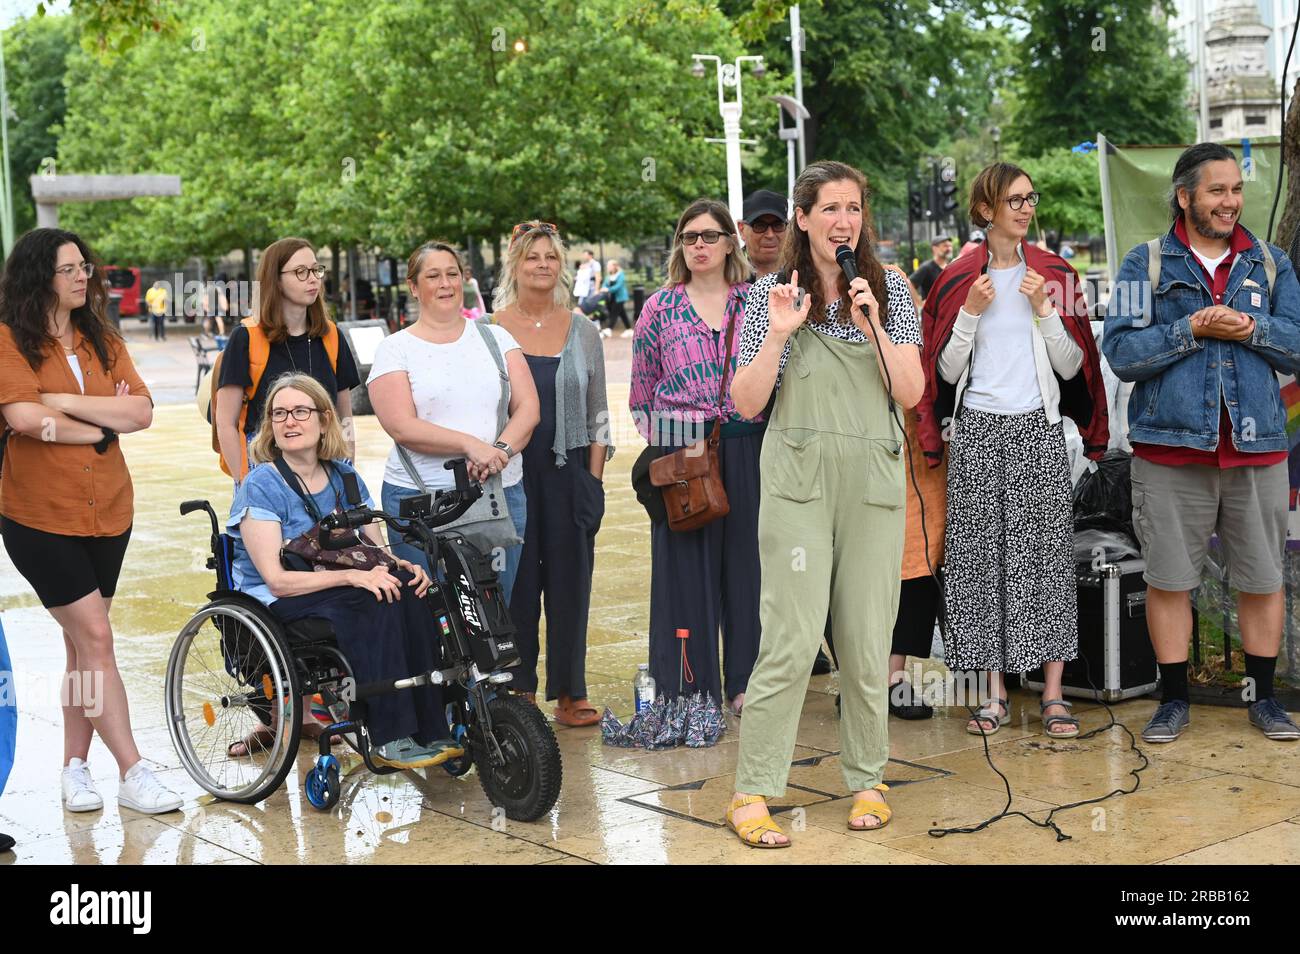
(707, 580)
(381, 641)
(565, 507)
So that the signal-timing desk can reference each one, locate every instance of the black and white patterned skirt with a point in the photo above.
(1009, 576)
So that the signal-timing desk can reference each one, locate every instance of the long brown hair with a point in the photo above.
(796, 251)
(27, 297)
(270, 301)
(734, 271)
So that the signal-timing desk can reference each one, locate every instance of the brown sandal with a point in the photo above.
(258, 740)
(576, 712)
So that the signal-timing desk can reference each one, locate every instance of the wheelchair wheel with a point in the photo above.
(322, 783)
(527, 784)
(230, 674)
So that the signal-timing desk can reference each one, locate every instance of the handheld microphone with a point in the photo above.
(847, 262)
(849, 266)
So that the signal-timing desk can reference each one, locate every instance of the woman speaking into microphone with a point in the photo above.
(842, 356)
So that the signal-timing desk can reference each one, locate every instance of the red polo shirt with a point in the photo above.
(1226, 454)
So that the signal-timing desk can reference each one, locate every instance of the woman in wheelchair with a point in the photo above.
(379, 618)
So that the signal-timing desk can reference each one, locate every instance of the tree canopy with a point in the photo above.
(387, 123)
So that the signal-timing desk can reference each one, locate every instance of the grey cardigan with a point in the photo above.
(581, 405)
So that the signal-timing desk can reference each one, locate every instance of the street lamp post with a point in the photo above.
(796, 57)
(790, 136)
(729, 78)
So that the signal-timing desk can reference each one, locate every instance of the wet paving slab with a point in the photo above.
(1220, 794)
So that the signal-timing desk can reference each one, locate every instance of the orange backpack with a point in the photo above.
(259, 352)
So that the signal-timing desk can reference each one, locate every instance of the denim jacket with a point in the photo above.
(1182, 380)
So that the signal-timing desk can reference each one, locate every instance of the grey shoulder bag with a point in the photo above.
(487, 524)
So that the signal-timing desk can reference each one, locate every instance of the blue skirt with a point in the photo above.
(382, 641)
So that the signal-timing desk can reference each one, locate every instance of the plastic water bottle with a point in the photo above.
(643, 688)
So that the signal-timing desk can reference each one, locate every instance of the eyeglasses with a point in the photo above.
(301, 273)
(523, 228)
(1017, 202)
(773, 225)
(67, 271)
(710, 237)
(300, 413)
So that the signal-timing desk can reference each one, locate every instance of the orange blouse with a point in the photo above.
(934, 491)
(65, 488)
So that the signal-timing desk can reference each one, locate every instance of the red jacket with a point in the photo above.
(1083, 397)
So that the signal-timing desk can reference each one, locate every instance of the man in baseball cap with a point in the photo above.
(762, 227)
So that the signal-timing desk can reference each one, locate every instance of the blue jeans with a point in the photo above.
(391, 496)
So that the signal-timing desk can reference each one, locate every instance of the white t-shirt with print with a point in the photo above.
(453, 385)
(585, 286)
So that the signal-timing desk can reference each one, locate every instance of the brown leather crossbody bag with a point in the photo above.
(691, 479)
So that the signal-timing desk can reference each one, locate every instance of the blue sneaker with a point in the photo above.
(1268, 716)
(1168, 722)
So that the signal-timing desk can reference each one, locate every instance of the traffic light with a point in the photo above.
(916, 204)
(947, 199)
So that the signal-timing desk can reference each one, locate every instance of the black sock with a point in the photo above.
(1261, 668)
(1173, 681)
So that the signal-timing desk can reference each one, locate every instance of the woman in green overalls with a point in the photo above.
(831, 509)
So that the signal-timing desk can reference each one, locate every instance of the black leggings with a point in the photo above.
(62, 569)
(617, 313)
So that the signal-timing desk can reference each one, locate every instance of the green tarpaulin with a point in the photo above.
(1135, 190)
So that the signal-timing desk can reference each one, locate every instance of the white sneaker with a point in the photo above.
(79, 794)
(628, 333)
(142, 792)
(607, 332)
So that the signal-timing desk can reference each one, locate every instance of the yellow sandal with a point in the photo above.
(752, 830)
(862, 807)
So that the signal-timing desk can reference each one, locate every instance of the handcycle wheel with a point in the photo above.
(230, 673)
(527, 784)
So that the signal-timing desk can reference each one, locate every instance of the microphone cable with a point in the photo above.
(1047, 822)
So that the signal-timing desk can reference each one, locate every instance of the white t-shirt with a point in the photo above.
(1211, 264)
(453, 385)
(75, 364)
(585, 285)
(1003, 376)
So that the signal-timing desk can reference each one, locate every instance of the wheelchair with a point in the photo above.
(234, 666)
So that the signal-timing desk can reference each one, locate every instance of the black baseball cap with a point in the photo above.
(764, 202)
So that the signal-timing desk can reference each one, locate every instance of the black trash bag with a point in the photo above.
(1103, 499)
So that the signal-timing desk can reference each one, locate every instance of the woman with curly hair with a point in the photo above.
(67, 389)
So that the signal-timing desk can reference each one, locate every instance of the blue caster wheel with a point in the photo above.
(322, 783)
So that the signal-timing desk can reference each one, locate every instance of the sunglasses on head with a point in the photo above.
(523, 228)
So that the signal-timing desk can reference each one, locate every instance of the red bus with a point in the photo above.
(124, 283)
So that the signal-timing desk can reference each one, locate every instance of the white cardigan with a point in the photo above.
(1054, 350)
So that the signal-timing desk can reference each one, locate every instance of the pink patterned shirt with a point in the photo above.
(677, 366)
